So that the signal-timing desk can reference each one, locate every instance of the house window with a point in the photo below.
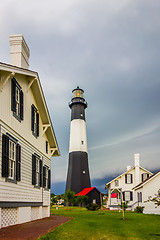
(46, 177)
(128, 178)
(46, 147)
(94, 201)
(36, 170)
(34, 121)
(17, 100)
(11, 158)
(144, 176)
(127, 196)
(116, 183)
(139, 196)
(12, 154)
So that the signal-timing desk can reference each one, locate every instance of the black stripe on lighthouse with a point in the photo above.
(78, 111)
(78, 172)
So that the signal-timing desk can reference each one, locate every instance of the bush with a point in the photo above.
(139, 209)
(93, 207)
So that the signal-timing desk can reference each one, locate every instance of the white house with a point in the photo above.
(27, 140)
(148, 190)
(123, 185)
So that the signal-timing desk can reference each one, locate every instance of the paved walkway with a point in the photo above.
(32, 230)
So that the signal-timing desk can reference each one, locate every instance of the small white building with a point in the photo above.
(123, 185)
(27, 140)
(148, 190)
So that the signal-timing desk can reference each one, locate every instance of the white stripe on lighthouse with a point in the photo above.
(78, 138)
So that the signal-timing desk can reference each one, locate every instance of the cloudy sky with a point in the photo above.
(109, 48)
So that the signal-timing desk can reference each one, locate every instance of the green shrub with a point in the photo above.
(92, 207)
(139, 209)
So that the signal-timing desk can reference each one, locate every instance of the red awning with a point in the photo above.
(114, 195)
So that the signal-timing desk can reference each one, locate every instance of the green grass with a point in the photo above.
(88, 225)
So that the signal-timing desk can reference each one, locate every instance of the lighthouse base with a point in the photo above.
(78, 172)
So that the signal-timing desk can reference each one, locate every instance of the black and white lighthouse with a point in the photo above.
(78, 176)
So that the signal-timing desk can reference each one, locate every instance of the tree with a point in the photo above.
(52, 195)
(155, 199)
(53, 199)
(124, 206)
(78, 200)
(81, 200)
(84, 199)
(58, 197)
(69, 197)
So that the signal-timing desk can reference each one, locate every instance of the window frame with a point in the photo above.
(125, 194)
(139, 196)
(17, 103)
(143, 174)
(34, 121)
(11, 166)
(130, 196)
(12, 159)
(36, 171)
(46, 177)
(116, 183)
(126, 178)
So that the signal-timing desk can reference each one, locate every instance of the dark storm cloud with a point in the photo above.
(111, 50)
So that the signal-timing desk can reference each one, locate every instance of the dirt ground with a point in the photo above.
(32, 230)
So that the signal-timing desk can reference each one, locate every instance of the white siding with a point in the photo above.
(150, 189)
(23, 191)
(23, 128)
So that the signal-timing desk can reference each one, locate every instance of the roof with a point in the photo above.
(85, 191)
(35, 85)
(146, 180)
(126, 173)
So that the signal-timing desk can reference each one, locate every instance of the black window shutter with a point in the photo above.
(131, 196)
(33, 169)
(125, 178)
(131, 178)
(13, 95)
(46, 147)
(32, 118)
(123, 196)
(138, 197)
(5, 156)
(142, 177)
(37, 124)
(41, 173)
(18, 162)
(49, 179)
(147, 175)
(44, 176)
(21, 104)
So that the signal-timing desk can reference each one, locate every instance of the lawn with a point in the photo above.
(89, 225)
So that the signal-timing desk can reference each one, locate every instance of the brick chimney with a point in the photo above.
(19, 51)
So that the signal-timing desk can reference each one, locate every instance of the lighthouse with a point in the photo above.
(78, 176)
